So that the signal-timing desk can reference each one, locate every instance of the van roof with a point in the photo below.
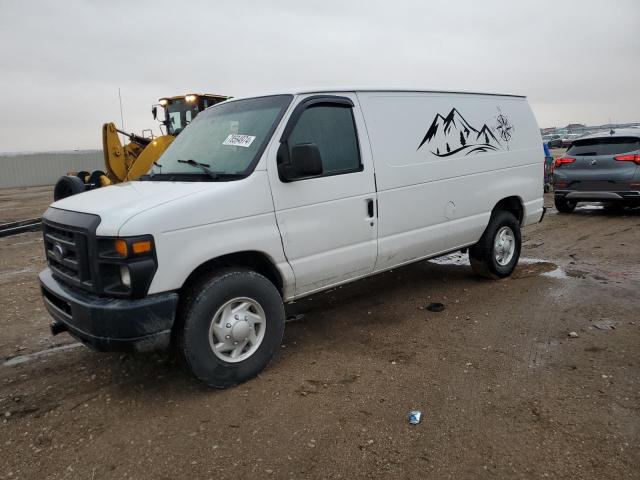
(304, 91)
(374, 89)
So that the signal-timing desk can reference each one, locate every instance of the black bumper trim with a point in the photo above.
(110, 324)
(598, 196)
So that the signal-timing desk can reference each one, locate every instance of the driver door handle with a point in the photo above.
(370, 211)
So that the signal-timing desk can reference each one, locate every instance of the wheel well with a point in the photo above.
(256, 261)
(513, 205)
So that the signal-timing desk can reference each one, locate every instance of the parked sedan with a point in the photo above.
(553, 141)
(568, 140)
(602, 167)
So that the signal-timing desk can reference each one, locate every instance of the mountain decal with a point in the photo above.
(453, 134)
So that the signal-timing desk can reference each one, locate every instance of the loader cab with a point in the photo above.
(180, 110)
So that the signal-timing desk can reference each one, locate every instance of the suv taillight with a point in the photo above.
(564, 161)
(631, 157)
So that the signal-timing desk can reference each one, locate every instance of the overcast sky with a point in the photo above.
(61, 62)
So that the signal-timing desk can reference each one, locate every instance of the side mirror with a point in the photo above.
(154, 112)
(305, 161)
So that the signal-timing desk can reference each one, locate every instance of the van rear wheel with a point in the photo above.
(232, 323)
(497, 252)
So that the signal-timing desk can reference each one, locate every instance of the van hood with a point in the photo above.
(157, 207)
(115, 204)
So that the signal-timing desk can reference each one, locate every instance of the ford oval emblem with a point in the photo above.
(58, 252)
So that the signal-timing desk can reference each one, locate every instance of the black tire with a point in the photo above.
(67, 186)
(563, 205)
(203, 299)
(94, 179)
(82, 175)
(614, 207)
(481, 255)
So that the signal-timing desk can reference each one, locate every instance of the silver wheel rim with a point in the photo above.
(504, 246)
(237, 329)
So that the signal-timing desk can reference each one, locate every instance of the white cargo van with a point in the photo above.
(267, 199)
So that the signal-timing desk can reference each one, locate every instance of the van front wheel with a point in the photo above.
(232, 324)
(497, 252)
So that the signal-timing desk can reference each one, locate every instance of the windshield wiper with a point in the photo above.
(202, 166)
(213, 175)
(152, 173)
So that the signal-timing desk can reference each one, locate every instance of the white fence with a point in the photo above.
(35, 169)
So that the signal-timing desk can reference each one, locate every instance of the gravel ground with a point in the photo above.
(504, 390)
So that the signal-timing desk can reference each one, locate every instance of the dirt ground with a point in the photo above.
(504, 390)
(24, 203)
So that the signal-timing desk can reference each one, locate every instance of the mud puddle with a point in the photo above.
(527, 266)
(32, 356)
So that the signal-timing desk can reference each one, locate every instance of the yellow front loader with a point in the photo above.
(134, 159)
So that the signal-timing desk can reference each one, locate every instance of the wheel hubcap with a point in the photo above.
(237, 329)
(504, 246)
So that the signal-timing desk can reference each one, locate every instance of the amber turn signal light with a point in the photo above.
(141, 247)
(121, 247)
(135, 248)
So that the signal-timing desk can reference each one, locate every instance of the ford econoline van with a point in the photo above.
(267, 199)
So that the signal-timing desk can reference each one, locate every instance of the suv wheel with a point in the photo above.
(497, 252)
(232, 323)
(563, 205)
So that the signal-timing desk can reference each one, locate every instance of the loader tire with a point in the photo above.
(67, 186)
(94, 179)
(82, 175)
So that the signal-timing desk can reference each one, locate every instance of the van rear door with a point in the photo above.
(327, 221)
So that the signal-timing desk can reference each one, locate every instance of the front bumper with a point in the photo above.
(109, 324)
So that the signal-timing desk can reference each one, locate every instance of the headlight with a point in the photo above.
(125, 276)
(126, 265)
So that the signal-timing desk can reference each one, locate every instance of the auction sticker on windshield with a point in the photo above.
(239, 140)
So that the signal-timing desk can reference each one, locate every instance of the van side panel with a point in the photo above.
(442, 163)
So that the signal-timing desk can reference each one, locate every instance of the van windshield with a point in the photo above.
(226, 139)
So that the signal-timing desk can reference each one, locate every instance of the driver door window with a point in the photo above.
(332, 129)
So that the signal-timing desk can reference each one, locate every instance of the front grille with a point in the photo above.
(69, 242)
(67, 255)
